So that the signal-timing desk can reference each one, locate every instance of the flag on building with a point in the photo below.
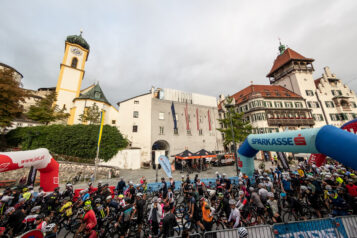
(174, 115)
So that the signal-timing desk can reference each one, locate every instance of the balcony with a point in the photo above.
(291, 122)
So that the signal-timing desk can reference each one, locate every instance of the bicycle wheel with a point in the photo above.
(180, 210)
(217, 226)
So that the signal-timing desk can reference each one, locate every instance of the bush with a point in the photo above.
(77, 140)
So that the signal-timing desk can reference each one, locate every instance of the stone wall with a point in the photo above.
(68, 170)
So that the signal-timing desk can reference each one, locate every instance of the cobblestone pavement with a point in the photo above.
(150, 174)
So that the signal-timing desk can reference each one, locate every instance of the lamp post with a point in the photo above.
(231, 106)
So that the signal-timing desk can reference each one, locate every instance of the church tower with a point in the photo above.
(71, 71)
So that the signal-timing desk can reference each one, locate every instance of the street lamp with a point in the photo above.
(231, 106)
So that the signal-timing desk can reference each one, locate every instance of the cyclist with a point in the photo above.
(89, 221)
(155, 215)
(234, 216)
(274, 209)
(168, 223)
(66, 208)
(163, 188)
(121, 185)
(256, 201)
(207, 217)
(139, 210)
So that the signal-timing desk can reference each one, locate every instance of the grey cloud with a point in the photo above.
(202, 46)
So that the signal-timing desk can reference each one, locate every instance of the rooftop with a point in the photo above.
(94, 93)
(284, 58)
(264, 91)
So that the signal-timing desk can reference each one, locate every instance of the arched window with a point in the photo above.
(74, 62)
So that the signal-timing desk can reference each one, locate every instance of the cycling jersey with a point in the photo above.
(90, 220)
(235, 217)
(42, 226)
(67, 208)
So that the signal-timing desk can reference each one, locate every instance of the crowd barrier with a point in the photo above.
(337, 227)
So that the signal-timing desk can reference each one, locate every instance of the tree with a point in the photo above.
(241, 127)
(91, 115)
(11, 96)
(77, 140)
(45, 110)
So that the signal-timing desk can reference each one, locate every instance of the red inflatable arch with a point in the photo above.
(41, 159)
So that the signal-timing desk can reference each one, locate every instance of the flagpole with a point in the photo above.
(102, 113)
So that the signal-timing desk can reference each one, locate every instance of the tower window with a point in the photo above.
(74, 62)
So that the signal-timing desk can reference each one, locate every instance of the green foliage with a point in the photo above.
(45, 110)
(91, 115)
(241, 128)
(11, 96)
(77, 140)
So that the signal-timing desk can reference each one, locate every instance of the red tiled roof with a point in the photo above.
(266, 91)
(285, 58)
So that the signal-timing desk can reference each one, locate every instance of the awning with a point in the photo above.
(186, 155)
(204, 154)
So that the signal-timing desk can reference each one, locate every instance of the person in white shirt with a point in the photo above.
(234, 216)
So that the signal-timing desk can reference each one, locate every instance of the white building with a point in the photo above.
(148, 123)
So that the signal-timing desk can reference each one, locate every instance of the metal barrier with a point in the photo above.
(311, 228)
(196, 235)
(349, 223)
(253, 232)
(260, 231)
(228, 233)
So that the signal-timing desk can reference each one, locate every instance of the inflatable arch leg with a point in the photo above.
(41, 159)
(328, 140)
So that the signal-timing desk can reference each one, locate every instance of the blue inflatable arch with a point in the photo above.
(328, 140)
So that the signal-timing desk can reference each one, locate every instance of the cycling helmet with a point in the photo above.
(24, 189)
(241, 193)
(131, 183)
(232, 202)
(50, 227)
(87, 205)
(139, 194)
(265, 174)
(99, 183)
(36, 209)
(109, 197)
(90, 184)
(81, 211)
(283, 195)
(68, 185)
(202, 199)
(10, 209)
(242, 232)
(97, 200)
(121, 196)
(240, 183)
(251, 189)
(270, 194)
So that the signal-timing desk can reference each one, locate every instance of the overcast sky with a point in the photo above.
(208, 47)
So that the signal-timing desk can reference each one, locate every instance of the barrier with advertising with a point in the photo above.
(338, 227)
(312, 228)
